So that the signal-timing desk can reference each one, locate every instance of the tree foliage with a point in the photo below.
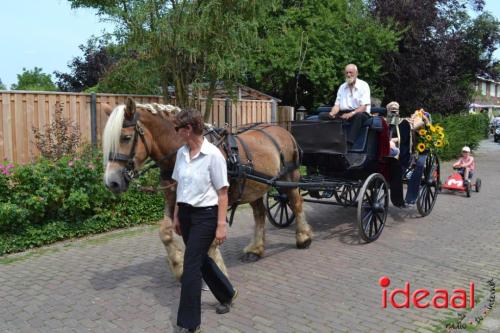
(188, 42)
(34, 79)
(441, 51)
(86, 71)
(2, 86)
(308, 43)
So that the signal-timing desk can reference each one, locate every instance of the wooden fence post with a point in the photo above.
(274, 111)
(93, 119)
(227, 113)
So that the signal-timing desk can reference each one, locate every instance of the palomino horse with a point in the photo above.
(135, 132)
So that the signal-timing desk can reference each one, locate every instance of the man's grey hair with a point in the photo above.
(353, 65)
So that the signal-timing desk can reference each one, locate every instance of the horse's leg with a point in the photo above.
(255, 250)
(303, 231)
(173, 244)
(214, 253)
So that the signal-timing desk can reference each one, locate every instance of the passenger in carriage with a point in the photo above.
(353, 102)
(393, 135)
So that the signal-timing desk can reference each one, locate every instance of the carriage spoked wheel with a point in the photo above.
(278, 209)
(347, 195)
(373, 204)
(429, 186)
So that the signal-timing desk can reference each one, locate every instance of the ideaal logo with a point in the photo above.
(422, 298)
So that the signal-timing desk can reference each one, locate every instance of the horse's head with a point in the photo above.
(129, 139)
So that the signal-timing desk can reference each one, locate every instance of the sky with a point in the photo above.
(47, 33)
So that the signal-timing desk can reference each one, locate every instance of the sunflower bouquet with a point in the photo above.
(431, 137)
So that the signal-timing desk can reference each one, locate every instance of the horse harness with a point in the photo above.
(237, 171)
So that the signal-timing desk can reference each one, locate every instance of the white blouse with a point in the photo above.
(199, 178)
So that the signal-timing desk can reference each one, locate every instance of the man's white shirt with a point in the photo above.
(199, 178)
(350, 99)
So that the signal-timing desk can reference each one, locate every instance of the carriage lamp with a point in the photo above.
(301, 113)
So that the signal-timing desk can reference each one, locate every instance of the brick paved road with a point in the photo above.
(120, 283)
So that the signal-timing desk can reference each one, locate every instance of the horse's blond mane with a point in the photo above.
(112, 131)
(156, 108)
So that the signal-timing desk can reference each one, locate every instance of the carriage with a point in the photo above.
(306, 164)
(355, 177)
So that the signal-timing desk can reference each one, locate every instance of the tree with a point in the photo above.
(34, 79)
(188, 42)
(308, 43)
(2, 86)
(87, 71)
(441, 51)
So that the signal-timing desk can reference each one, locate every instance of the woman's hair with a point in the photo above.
(190, 117)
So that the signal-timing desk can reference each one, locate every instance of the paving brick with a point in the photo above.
(123, 284)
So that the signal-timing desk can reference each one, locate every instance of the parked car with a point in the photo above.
(495, 128)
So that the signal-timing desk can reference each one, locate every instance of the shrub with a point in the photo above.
(53, 200)
(61, 137)
(462, 131)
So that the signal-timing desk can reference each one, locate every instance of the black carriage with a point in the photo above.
(355, 177)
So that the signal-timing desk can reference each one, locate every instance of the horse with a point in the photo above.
(136, 132)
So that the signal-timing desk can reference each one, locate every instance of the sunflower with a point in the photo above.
(438, 128)
(441, 135)
(439, 143)
(433, 129)
(421, 147)
(422, 132)
(428, 137)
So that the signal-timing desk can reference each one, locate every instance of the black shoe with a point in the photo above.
(226, 307)
(185, 330)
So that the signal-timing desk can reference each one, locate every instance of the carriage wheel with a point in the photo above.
(347, 195)
(373, 204)
(478, 184)
(278, 209)
(430, 185)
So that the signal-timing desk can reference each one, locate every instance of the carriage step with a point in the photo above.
(355, 160)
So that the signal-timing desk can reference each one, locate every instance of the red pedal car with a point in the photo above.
(455, 182)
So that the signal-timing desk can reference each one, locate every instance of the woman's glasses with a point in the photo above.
(177, 128)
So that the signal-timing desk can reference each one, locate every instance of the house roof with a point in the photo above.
(241, 92)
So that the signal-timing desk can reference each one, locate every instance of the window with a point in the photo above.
(483, 88)
(492, 89)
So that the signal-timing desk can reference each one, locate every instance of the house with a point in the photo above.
(487, 97)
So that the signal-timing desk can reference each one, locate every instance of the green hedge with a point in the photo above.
(461, 130)
(49, 201)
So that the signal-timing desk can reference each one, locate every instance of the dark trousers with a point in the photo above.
(355, 124)
(198, 227)
(415, 180)
(396, 181)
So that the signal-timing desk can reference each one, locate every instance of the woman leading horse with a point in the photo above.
(135, 132)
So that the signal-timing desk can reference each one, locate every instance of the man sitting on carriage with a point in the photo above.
(352, 103)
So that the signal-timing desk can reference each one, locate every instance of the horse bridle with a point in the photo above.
(129, 172)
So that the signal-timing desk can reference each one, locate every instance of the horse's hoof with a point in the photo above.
(250, 257)
(304, 245)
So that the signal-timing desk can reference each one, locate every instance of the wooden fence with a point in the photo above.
(21, 111)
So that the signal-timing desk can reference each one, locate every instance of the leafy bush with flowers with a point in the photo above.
(52, 200)
(461, 130)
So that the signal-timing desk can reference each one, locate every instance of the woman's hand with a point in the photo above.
(221, 233)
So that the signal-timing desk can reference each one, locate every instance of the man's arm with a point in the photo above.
(335, 109)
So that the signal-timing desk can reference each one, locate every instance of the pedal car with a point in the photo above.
(456, 182)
